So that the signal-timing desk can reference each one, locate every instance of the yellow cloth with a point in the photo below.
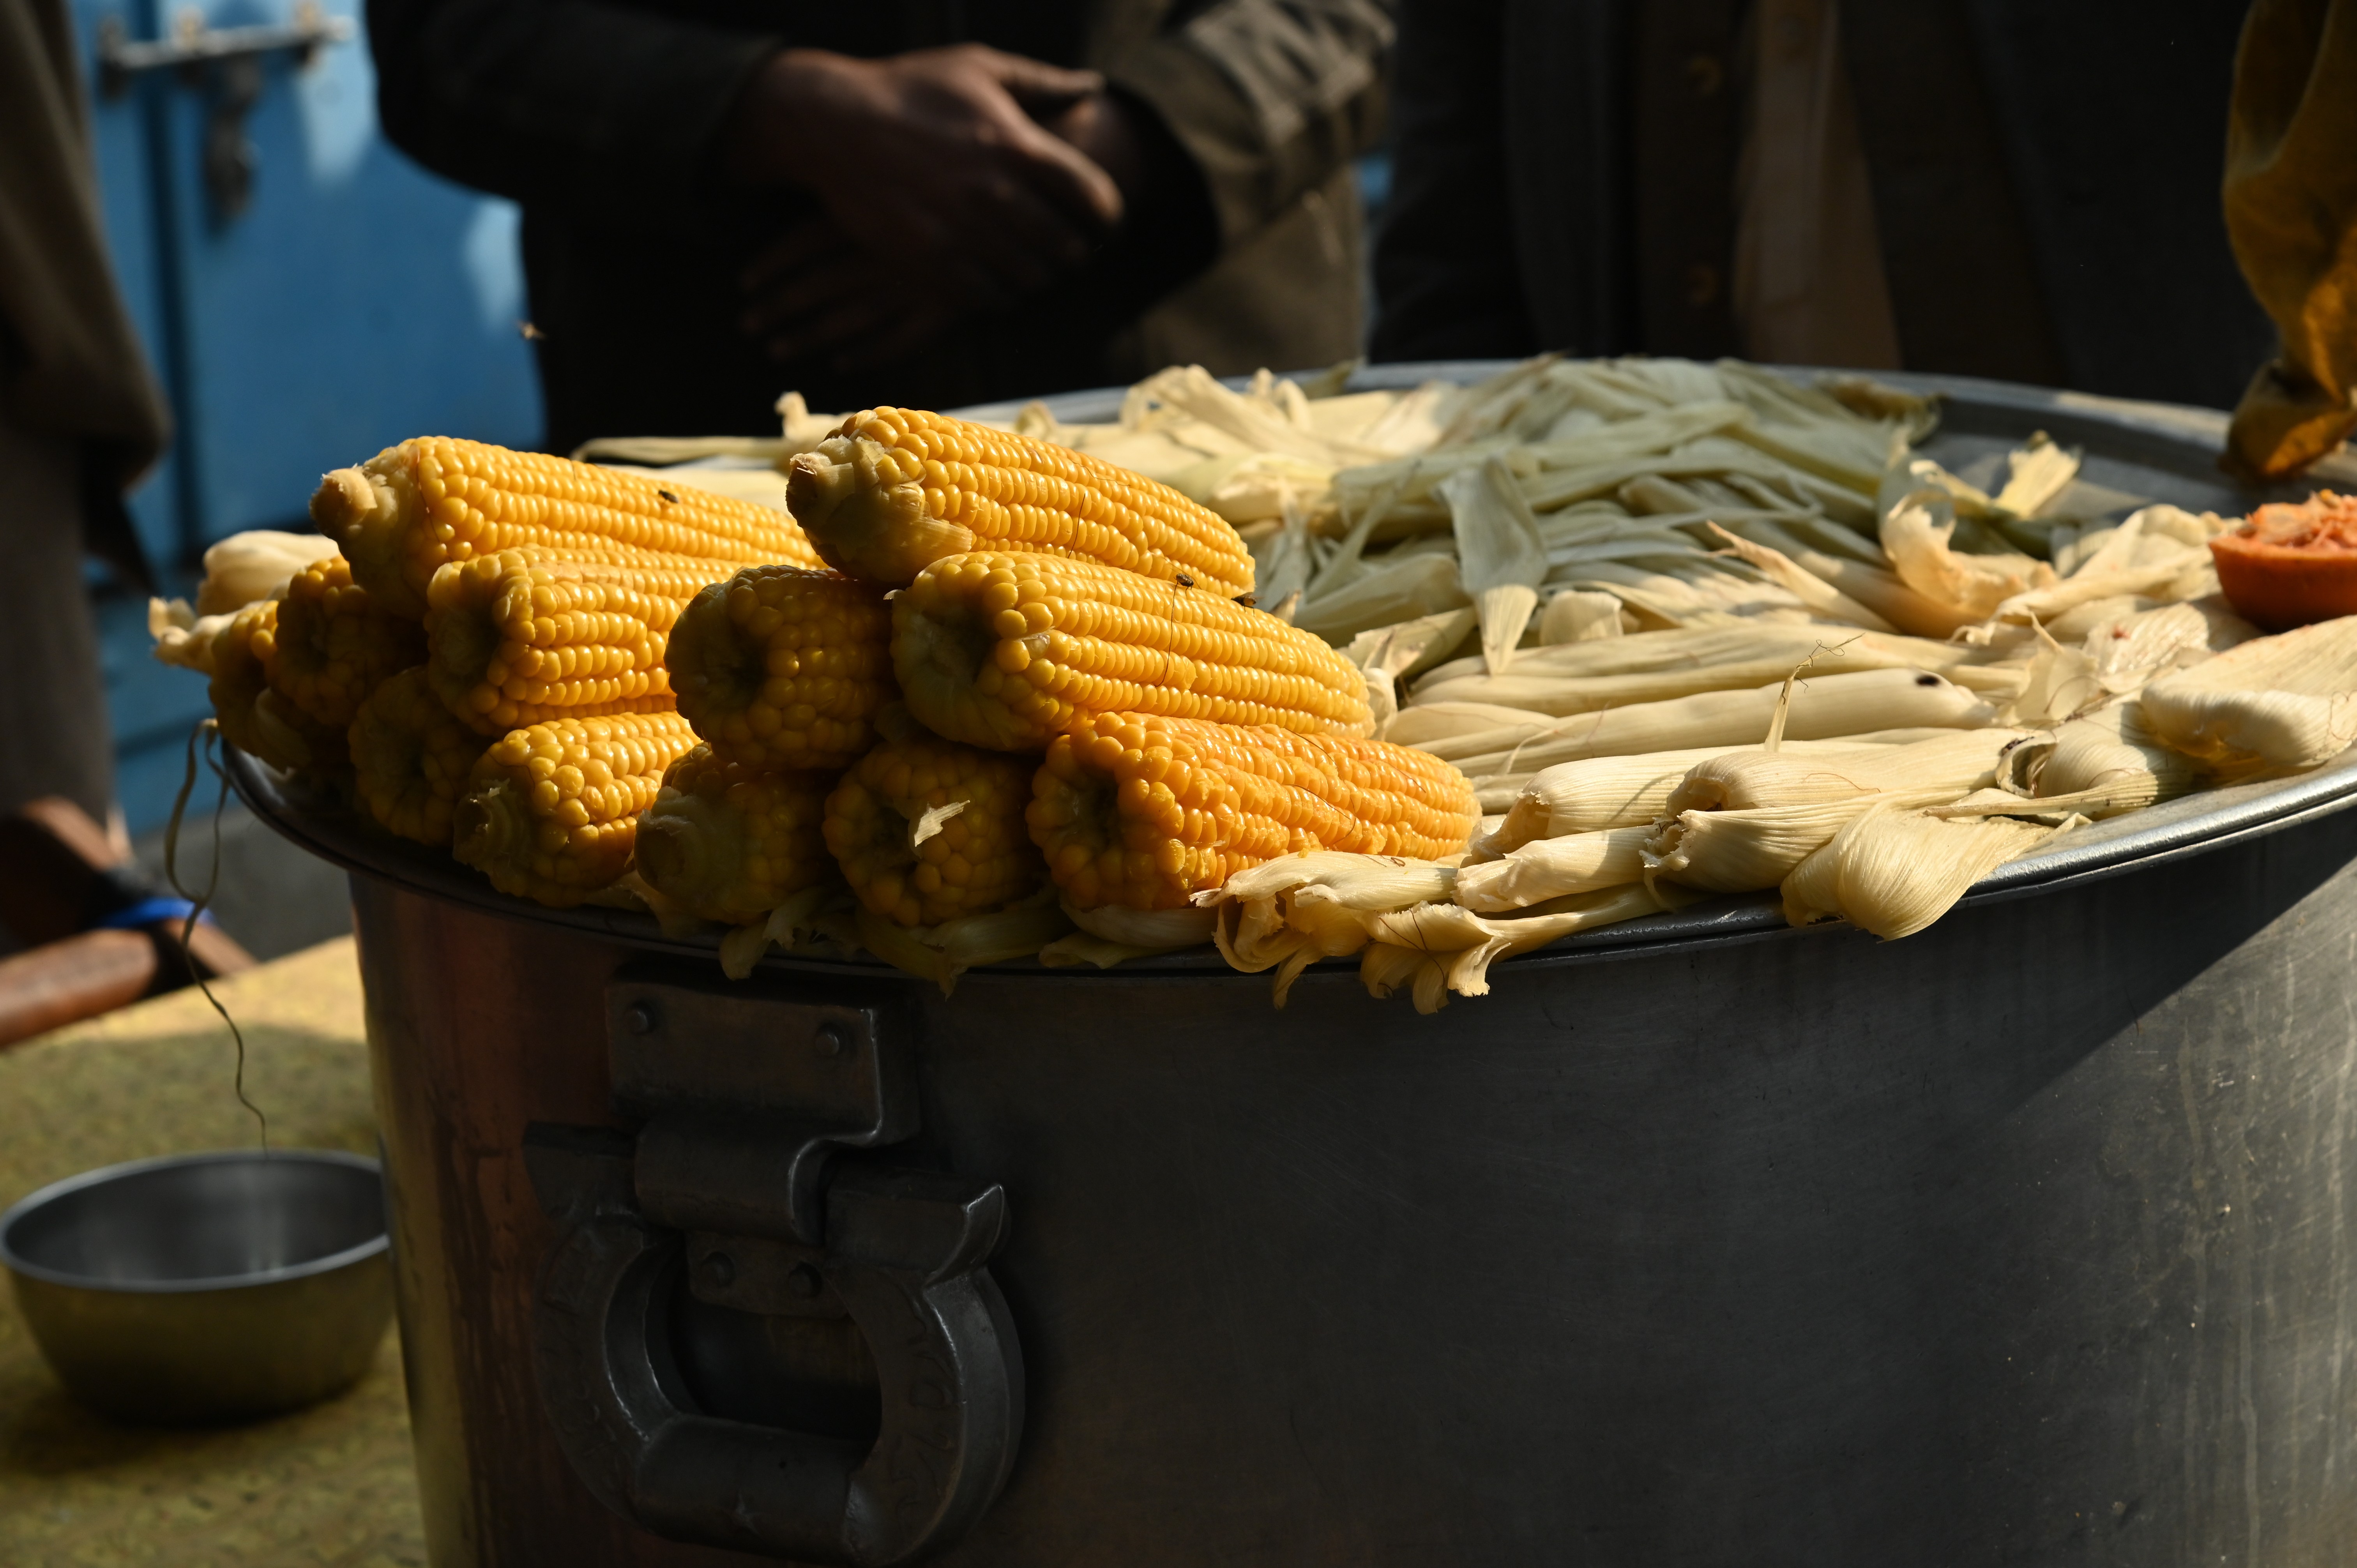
(2291, 212)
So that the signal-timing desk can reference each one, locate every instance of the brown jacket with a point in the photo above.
(599, 117)
(70, 364)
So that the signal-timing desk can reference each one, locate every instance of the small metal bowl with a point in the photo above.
(205, 1288)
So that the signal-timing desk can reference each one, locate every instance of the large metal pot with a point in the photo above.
(1697, 1242)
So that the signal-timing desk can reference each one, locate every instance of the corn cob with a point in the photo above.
(1007, 650)
(1146, 812)
(783, 667)
(551, 811)
(927, 830)
(731, 843)
(412, 757)
(514, 641)
(255, 719)
(1960, 761)
(404, 513)
(331, 645)
(895, 489)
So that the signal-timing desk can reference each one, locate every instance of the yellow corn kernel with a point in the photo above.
(896, 488)
(782, 666)
(255, 719)
(513, 640)
(551, 811)
(730, 842)
(332, 644)
(1145, 812)
(411, 757)
(926, 830)
(1007, 651)
(406, 512)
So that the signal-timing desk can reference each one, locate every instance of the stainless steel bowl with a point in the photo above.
(205, 1288)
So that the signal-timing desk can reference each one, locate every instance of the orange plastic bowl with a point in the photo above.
(2293, 563)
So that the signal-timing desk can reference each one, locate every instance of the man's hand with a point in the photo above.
(935, 163)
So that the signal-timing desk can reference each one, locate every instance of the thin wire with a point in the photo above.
(203, 735)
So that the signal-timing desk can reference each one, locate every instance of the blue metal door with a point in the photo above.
(309, 296)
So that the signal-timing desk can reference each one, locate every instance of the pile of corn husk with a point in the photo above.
(1702, 629)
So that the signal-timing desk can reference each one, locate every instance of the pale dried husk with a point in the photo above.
(1555, 868)
(2287, 701)
(1746, 780)
(1893, 871)
(1743, 852)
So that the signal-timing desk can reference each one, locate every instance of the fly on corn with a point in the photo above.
(331, 644)
(551, 811)
(896, 488)
(1005, 652)
(784, 667)
(406, 512)
(729, 841)
(1146, 812)
(514, 641)
(411, 757)
(926, 830)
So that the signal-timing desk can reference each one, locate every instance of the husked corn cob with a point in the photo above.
(255, 719)
(514, 641)
(926, 830)
(1146, 812)
(896, 488)
(331, 645)
(551, 811)
(784, 667)
(411, 757)
(1007, 650)
(432, 499)
(728, 842)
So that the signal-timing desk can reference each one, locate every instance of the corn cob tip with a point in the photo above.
(865, 514)
(343, 501)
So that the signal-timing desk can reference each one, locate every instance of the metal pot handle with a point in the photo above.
(905, 1253)
(737, 1177)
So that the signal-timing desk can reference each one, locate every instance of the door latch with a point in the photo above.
(745, 1197)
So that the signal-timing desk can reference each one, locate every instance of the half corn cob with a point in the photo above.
(926, 830)
(404, 513)
(513, 640)
(1145, 810)
(896, 490)
(731, 843)
(784, 667)
(411, 756)
(331, 645)
(551, 811)
(255, 719)
(1007, 650)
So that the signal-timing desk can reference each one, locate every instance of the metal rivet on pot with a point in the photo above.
(719, 1270)
(803, 1281)
(830, 1039)
(640, 1018)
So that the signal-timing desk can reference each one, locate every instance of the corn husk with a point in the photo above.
(944, 953)
(1555, 868)
(1115, 935)
(1916, 533)
(1577, 615)
(2101, 764)
(1408, 649)
(1436, 949)
(1430, 723)
(1822, 707)
(1959, 761)
(2287, 701)
(1821, 596)
(1500, 558)
(1893, 871)
(1384, 596)
(1540, 691)
(1288, 913)
(1743, 852)
(1686, 649)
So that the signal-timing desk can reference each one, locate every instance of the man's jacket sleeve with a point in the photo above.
(555, 99)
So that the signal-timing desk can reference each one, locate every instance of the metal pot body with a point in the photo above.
(2022, 1240)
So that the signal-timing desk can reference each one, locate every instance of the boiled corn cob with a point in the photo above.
(1007, 650)
(926, 830)
(412, 757)
(551, 811)
(784, 667)
(727, 842)
(255, 719)
(404, 513)
(896, 490)
(332, 644)
(514, 641)
(1146, 812)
